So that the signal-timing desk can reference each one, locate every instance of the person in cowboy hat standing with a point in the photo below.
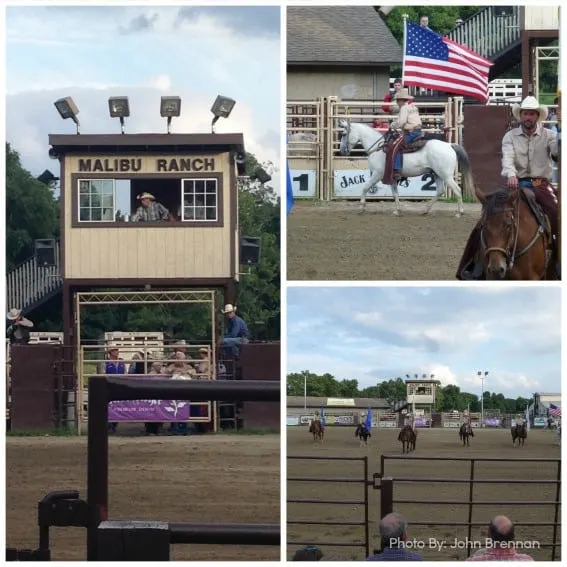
(150, 210)
(114, 365)
(237, 330)
(527, 153)
(19, 330)
(409, 122)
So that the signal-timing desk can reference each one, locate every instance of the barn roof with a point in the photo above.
(339, 35)
(312, 402)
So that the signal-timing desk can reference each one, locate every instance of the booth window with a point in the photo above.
(96, 200)
(200, 200)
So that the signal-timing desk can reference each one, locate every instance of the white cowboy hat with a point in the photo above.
(529, 103)
(146, 195)
(13, 314)
(182, 342)
(229, 308)
(403, 94)
(112, 346)
(205, 350)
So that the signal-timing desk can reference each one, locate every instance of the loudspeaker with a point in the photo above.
(45, 253)
(250, 250)
(502, 11)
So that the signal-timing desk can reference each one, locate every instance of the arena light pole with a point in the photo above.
(482, 375)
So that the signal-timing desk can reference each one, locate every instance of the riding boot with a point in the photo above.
(469, 268)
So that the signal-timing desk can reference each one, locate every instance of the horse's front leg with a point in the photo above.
(396, 195)
(374, 178)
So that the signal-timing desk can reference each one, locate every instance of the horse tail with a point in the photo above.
(466, 170)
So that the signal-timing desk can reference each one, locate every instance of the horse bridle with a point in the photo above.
(510, 253)
(378, 145)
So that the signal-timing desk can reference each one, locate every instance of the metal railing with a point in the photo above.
(340, 523)
(386, 485)
(487, 34)
(28, 283)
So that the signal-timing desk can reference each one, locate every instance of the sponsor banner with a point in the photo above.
(388, 424)
(539, 422)
(451, 424)
(151, 410)
(292, 420)
(344, 420)
(349, 183)
(345, 402)
(422, 422)
(492, 422)
(305, 419)
(304, 182)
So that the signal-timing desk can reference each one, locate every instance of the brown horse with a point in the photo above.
(407, 437)
(520, 433)
(465, 431)
(513, 243)
(316, 428)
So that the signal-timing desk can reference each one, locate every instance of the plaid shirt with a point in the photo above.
(155, 212)
(499, 554)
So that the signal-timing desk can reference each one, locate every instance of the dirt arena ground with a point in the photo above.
(222, 478)
(331, 241)
(431, 442)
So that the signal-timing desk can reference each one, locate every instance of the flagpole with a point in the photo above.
(404, 43)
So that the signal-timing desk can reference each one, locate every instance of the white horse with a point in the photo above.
(436, 156)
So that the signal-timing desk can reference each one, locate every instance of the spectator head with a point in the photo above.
(398, 84)
(204, 353)
(113, 351)
(393, 530)
(458, 22)
(308, 554)
(501, 529)
(180, 346)
(424, 21)
(229, 310)
(146, 199)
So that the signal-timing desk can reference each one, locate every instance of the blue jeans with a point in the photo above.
(409, 137)
(233, 343)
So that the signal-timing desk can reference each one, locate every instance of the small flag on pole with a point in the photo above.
(323, 418)
(289, 190)
(368, 422)
(435, 62)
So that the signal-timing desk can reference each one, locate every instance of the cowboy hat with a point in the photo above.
(229, 308)
(181, 342)
(529, 103)
(205, 350)
(403, 94)
(13, 314)
(112, 346)
(146, 195)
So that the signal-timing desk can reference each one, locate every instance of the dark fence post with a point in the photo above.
(386, 496)
(133, 541)
(366, 518)
(556, 517)
(97, 461)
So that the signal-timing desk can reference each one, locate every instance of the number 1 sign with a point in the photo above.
(304, 183)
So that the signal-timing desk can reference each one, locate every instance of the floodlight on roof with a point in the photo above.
(222, 107)
(261, 175)
(170, 107)
(119, 107)
(68, 109)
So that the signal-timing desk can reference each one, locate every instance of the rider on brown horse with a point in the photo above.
(527, 153)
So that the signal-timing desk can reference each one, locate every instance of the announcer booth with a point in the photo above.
(112, 252)
(420, 395)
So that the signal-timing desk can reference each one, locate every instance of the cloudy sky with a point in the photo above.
(376, 334)
(92, 53)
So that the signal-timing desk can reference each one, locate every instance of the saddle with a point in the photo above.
(397, 145)
(542, 219)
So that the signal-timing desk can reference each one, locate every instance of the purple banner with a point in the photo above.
(492, 422)
(421, 422)
(150, 410)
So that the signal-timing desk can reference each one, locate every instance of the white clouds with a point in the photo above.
(92, 53)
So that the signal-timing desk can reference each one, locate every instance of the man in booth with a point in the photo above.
(150, 210)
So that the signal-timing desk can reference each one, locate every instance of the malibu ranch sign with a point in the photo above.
(349, 183)
(146, 164)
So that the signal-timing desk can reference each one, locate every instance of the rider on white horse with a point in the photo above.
(409, 122)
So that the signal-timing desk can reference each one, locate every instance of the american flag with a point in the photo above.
(554, 410)
(438, 63)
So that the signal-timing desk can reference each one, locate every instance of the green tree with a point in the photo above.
(32, 212)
